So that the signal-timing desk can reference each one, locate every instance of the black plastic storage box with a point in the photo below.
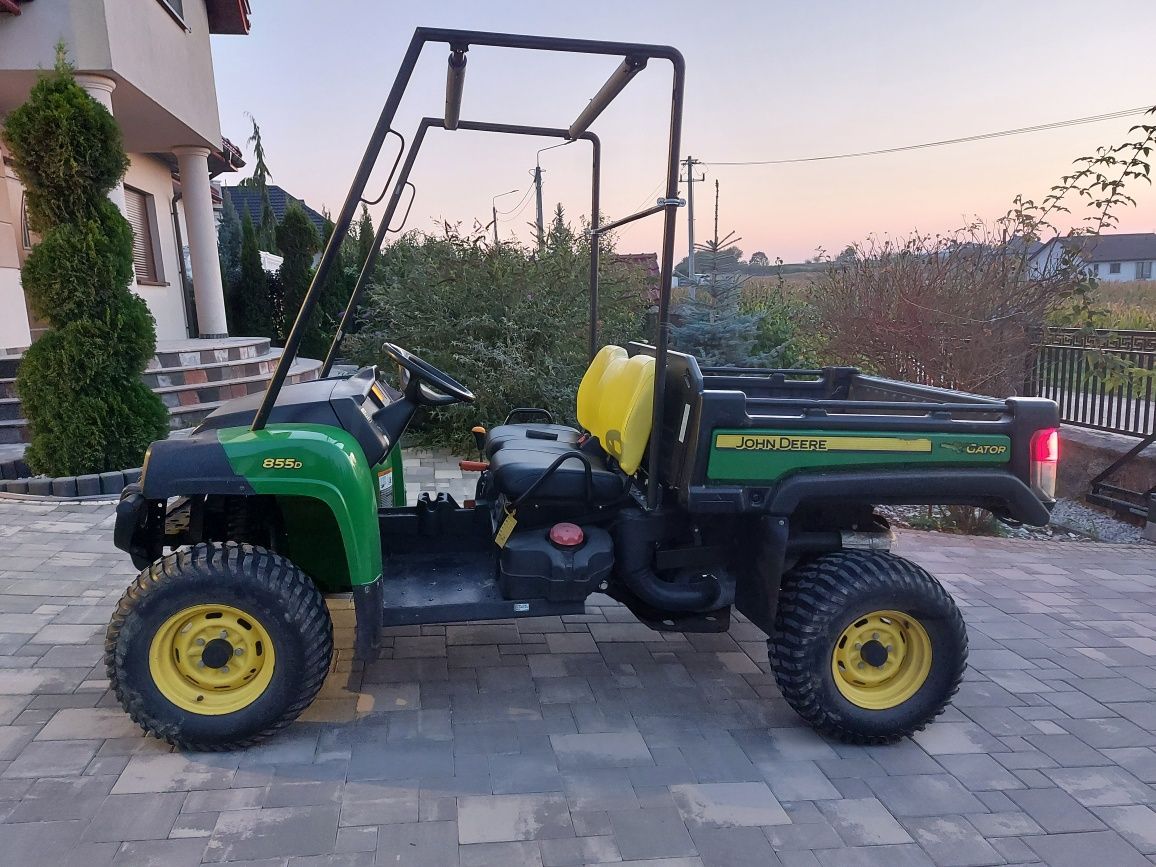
(533, 567)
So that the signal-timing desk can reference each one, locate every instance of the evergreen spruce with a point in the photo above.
(80, 384)
(712, 326)
(267, 225)
(229, 243)
(253, 309)
(298, 241)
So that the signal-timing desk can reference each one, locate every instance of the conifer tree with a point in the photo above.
(80, 384)
(712, 326)
(252, 305)
(298, 241)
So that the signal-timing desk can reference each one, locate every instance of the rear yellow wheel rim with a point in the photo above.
(211, 659)
(881, 660)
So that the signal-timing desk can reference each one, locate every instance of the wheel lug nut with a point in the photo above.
(875, 635)
(225, 633)
(240, 651)
(224, 669)
(858, 645)
(861, 665)
(200, 663)
(200, 642)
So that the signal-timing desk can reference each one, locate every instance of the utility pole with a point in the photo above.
(494, 209)
(689, 180)
(538, 197)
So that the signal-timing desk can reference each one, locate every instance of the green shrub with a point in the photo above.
(80, 383)
(298, 241)
(509, 323)
(252, 300)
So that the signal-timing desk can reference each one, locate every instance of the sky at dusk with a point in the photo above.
(765, 80)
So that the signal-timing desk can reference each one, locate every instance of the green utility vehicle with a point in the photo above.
(685, 492)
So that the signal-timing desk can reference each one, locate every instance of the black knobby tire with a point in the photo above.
(263, 584)
(820, 599)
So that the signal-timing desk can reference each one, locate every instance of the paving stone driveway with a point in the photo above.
(590, 740)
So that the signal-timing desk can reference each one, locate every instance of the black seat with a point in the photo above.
(549, 437)
(516, 469)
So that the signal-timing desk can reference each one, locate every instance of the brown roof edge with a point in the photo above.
(229, 17)
(10, 7)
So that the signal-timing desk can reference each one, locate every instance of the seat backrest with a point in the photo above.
(626, 399)
(589, 390)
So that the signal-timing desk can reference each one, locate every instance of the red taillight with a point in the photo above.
(1046, 445)
(1045, 459)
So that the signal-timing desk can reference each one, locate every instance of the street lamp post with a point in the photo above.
(494, 209)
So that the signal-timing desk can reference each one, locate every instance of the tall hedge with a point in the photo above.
(80, 383)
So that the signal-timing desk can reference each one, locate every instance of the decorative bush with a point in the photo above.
(80, 383)
(508, 322)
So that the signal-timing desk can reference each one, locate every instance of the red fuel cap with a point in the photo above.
(566, 535)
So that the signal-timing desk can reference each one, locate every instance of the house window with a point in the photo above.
(1143, 270)
(142, 216)
(25, 229)
(1114, 268)
(176, 8)
(1096, 270)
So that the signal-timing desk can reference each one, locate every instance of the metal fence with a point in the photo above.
(1073, 367)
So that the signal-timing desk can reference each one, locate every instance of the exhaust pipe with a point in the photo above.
(635, 536)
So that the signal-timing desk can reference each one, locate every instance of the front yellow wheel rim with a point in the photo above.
(881, 660)
(211, 659)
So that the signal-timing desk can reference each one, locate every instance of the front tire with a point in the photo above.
(218, 646)
(868, 647)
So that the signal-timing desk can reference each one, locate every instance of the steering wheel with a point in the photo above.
(426, 384)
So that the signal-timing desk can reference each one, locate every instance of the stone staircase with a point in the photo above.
(192, 377)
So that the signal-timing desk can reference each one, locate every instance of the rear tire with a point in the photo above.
(268, 648)
(841, 681)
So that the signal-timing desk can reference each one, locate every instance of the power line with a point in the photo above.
(649, 200)
(1096, 118)
(520, 202)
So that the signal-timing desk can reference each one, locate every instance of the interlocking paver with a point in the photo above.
(728, 805)
(651, 833)
(241, 835)
(1055, 810)
(925, 795)
(952, 841)
(1082, 849)
(590, 739)
(500, 818)
(863, 821)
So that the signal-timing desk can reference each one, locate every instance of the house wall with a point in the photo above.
(1129, 270)
(166, 301)
(166, 93)
(29, 40)
(1048, 259)
(170, 64)
(14, 333)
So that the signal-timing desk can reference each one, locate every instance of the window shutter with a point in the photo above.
(144, 263)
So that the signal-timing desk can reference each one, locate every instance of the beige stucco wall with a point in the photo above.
(151, 176)
(166, 93)
(165, 302)
(28, 41)
(169, 64)
(13, 316)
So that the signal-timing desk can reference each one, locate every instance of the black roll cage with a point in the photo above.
(634, 58)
